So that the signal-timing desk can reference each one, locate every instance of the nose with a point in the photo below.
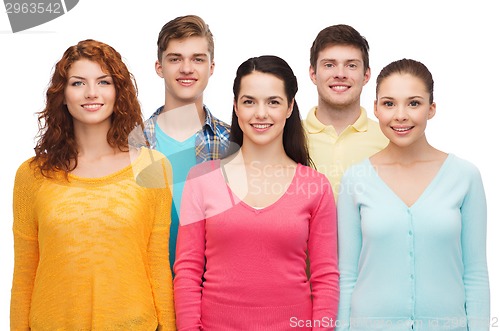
(261, 112)
(401, 113)
(91, 91)
(186, 66)
(340, 72)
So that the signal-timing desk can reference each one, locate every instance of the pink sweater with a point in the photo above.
(255, 277)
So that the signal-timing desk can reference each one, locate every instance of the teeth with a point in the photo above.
(401, 129)
(261, 126)
(186, 81)
(91, 107)
(339, 88)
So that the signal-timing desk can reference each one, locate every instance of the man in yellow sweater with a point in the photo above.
(338, 128)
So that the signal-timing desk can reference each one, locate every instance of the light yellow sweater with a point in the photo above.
(92, 253)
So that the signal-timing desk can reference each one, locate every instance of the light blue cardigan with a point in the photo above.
(413, 268)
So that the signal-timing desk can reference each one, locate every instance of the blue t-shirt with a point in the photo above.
(181, 155)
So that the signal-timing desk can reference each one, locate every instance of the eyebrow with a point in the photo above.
(337, 60)
(412, 97)
(268, 98)
(193, 55)
(83, 78)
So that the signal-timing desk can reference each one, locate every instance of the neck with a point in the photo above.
(181, 122)
(404, 155)
(92, 141)
(338, 117)
(172, 103)
(273, 154)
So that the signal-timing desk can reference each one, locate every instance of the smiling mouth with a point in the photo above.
(408, 128)
(186, 81)
(339, 88)
(261, 126)
(92, 107)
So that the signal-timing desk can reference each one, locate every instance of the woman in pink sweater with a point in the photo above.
(250, 222)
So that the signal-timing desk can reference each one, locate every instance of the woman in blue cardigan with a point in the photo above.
(412, 223)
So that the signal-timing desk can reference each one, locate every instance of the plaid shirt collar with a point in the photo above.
(212, 140)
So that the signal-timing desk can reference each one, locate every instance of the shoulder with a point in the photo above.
(28, 175)
(220, 124)
(149, 124)
(462, 167)
(151, 168)
(27, 168)
(146, 155)
(204, 168)
(311, 123)
(311, 175)
(155, 114)
(372, 124)
(308, 171)
(219, 127)
(374, 128)
(358, 170)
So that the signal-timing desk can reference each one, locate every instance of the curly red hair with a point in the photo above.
(56, 149)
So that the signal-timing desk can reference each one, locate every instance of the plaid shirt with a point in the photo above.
(212, 141)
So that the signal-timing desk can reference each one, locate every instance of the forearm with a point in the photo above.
(25, 266)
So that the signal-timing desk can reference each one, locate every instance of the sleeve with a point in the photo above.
(25, 230)
(349, 228)
(190, 257)
(474, 219)
(158, 257)
(322, 247)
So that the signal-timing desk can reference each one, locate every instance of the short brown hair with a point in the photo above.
(184, 27)
(340, 34)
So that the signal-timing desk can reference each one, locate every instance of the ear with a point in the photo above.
(367, 77)
(290, 109)
(212, 66)
(312, 74)
(235, 107)
(158, 68)
(432, 111)
(375, 110)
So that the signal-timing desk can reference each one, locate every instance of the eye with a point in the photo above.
(352, 66)
(414, 103)
(274, 102)
(173, 59)
(77, 83)
(388, 103)
(329, 65)
(199, 60)
(247, 102)
(105, 82)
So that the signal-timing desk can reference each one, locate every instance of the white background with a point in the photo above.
(457, 40)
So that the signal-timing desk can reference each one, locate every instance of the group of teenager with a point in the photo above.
(271, 222)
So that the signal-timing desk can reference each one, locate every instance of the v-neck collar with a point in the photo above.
(236, 200)
(424, 193)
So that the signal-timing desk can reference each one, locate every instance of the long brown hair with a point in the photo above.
(56, 148)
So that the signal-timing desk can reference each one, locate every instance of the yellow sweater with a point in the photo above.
(92, 253)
